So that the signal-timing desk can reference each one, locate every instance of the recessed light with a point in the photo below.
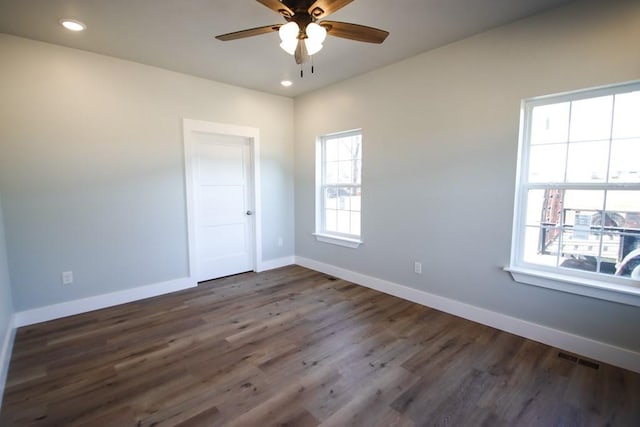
(286, 83)
(72, 24)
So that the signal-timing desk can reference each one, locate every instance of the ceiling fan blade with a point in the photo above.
(357, 32)
(277, 6)
(322, 8)
(249, 33)
(326, 7)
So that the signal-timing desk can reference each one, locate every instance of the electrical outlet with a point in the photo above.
(417, 267)
(67, 277)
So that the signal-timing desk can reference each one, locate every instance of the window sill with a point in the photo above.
(587, 287)
(340, 241)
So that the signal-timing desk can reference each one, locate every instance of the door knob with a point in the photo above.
(249, 213)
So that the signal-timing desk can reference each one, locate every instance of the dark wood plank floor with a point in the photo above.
(296, 347)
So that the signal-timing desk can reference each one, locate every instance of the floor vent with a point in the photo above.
(568, 357)
(583, 362)
(588, 363)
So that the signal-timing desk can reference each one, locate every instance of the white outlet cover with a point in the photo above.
(67, 277)
(417, 267)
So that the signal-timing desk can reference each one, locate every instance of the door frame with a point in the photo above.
(252, 135)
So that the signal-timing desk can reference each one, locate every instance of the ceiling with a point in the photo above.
(179, 35)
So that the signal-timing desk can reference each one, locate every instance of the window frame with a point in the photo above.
(592, 284)
(321, 234)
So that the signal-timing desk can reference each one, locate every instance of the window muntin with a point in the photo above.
(340, 186)
(578, 198)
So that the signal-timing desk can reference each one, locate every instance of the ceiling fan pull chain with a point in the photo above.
(311, 64)
(301, 71)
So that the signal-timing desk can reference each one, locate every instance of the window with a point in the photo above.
(339, 187)
(577, 214)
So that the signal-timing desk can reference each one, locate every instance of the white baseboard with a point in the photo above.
(577, 344)
(70, 308)
(276, 263)
(83, 305)
(5, 354)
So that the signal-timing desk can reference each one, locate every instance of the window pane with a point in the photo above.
(331, 150)
(629, 254)
(549, 242)
(610, 252)
(547, 163)
(588, 161)
(331, 220)
(584, 200)
(582, 220)
(350, 148)
(598, 253)
(345, 172)
(589, 241)
(623, 207)
(344, 199)
(626, 118)
(355, 223)
(583, 236)
(356, 200)
(544, 207)
(535, 202)
(579, 242)
(330, 199)
(625, 160)
(357, 172)
(591, 119)
(331, 173)
(541, 245)
(344, 222)
(550, 123)
(588, 263)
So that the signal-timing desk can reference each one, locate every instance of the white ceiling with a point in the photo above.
(179, 34)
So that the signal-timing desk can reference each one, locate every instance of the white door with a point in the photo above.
(223, 210)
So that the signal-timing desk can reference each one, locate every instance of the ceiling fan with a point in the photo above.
(303, 35)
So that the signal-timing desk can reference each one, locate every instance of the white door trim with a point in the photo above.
(253, 135)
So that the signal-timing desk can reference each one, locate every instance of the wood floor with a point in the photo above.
(296, 347)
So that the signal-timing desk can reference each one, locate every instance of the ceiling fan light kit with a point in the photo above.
(303, 35)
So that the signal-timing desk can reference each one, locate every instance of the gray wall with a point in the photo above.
(92, 168)
(6, 305)
(440, 142)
